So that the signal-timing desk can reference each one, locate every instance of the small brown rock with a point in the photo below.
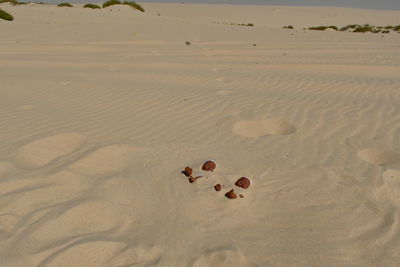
(243, 182)
(217, 187)
(241, 196)
(209, 166)
(187, 171)
(231, 194)
(193, 179)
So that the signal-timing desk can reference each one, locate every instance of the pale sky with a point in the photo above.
(372, 4)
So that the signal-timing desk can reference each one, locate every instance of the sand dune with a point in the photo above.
(100, 111)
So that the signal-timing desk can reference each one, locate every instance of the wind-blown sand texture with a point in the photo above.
(100, 111)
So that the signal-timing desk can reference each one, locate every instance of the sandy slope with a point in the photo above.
(100, 110)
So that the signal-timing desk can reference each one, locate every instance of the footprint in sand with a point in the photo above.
(64, 82)
(257, 128)
(105, 161)
(391, 181)
(27, 107)
(379, 157)
(43, 151)
(223, 258)
(224, 92)
(223, 80)
(5, 168)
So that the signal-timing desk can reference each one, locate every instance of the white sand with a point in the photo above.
(100, 110)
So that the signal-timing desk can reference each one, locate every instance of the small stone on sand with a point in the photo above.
(188, 171)
(217, 187)
(193, 179)
(243, 182)
(209, 166)
(231, 194)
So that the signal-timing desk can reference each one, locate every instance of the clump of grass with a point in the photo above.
(64, 5)
(111, 3)
(134, 5)
(248, 24)
(361, 28)
(4, 15)
(323, 28)
(234, 24)
(349, 27)
(92, 6)
(366, 28)
(288, 27)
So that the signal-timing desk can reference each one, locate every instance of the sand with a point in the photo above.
(101, 110)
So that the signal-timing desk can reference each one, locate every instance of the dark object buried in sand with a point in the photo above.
(193, 179)
(187, 171)
(188, 43)
(231, 194)
(209, 166)
(217, 187)
(243, 182)
(241, 196)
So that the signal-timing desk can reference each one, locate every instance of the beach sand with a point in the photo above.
(101, 110)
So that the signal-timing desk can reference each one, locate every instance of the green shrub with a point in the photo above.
(371, 28)
(111, 3)
(64, 5)
(4, 15)
(288, 27)
(351, 26)
(318, 28)
(323, 28)
(134, 5)
(92, 6)
(248, 24)
(365, 28)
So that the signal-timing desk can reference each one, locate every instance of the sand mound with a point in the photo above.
(259, 128)
(378, 156)
(43, 151)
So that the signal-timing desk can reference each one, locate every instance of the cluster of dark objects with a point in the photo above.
(209, 165)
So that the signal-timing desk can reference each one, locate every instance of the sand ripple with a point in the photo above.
(259, 128)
